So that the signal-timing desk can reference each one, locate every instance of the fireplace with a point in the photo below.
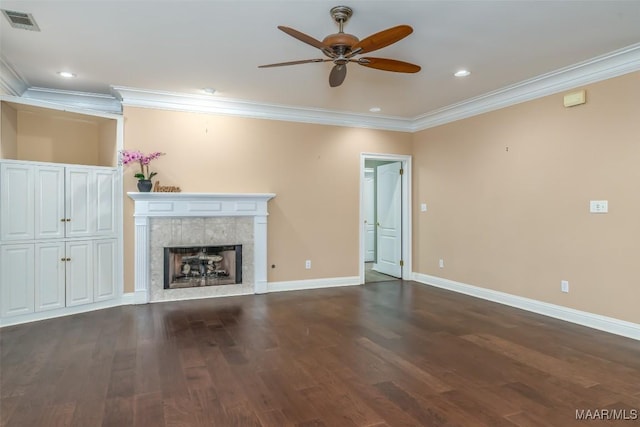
(186, 220)
(194, 266)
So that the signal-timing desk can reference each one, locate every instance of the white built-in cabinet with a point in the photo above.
(58, 233)
(104, 269)
(16, 273)
(17, 215)
(50, 276)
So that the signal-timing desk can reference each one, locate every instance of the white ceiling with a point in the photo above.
(183, 46)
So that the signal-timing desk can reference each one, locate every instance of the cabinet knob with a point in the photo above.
(68, 259)
(62, 220)
(68, 219)
(63, 259)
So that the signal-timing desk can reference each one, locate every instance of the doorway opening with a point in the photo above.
(385, 217)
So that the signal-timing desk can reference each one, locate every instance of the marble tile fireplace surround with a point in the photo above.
(165, 220)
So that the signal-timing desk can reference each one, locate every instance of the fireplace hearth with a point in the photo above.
(197, 266)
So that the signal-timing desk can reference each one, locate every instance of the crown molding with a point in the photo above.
(11, 83)
(612, 64)
(87, 101)
(134, 97)
(22, 101)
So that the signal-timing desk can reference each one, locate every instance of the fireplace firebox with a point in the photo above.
(194, 266)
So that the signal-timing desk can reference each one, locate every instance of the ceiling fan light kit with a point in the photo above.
(341, 48)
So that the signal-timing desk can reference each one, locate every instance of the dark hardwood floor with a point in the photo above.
(384, 354)
(371, 275)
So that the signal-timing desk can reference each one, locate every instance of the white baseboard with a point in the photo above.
(584, 318)
(124, 299)
(128, 298)
(196, 297)
(140, 297)
(297, 285)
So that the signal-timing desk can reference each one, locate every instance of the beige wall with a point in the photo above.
(46, 135)
(107, 143)
(50, 137)
(8, 132)
(518, 221)
(313, 169)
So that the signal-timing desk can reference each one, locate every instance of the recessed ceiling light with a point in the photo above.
(209, 90)
(462, 73)
(375, 109)
(66, 74)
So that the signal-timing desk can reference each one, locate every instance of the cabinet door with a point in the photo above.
(79, 272)
(16, 202)
(105, 212)
(104, 268)
(49, 202)
(50, 271)
(80, 206)
(16, 279)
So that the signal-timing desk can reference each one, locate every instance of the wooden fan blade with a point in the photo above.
(302, 37)
(389, 65)
(337, 75)
(304, 61)
(383, 38)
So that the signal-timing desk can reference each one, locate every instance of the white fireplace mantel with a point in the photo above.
(154, 205)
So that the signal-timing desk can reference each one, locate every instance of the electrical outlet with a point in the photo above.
(564, 286)
(599, 206)
(441, 263)
(307, 264)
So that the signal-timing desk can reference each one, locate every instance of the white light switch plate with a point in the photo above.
(599, 206)
(423, 207)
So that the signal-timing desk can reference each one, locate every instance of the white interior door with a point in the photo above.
(389, 221)
(369, 215)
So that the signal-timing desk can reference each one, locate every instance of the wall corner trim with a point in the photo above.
(296, 285)
(590, 320)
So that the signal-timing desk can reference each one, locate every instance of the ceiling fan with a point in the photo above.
(341, 48)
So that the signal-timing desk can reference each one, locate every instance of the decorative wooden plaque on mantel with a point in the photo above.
(157, 188)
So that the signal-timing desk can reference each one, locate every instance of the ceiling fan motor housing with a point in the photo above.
(340, 43)
(340, 39)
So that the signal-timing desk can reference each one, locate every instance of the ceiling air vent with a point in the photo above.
(21, 20)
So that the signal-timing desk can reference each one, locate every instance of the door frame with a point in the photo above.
(405, 159)
(369, 186)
